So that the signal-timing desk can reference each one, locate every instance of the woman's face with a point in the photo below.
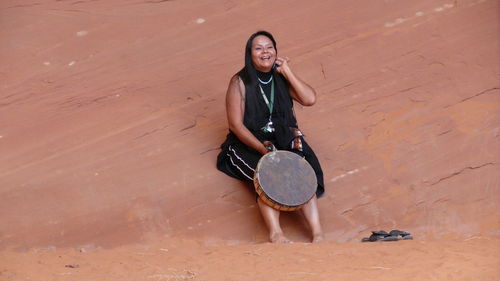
(263, 53)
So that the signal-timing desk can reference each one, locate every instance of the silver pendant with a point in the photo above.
(268, 128)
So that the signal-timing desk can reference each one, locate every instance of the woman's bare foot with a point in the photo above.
(279, 238)
(317, 238)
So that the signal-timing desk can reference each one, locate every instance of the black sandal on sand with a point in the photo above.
(402, 235)
(394, 235)
(380, 235)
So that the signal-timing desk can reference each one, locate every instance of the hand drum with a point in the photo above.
(284, 180)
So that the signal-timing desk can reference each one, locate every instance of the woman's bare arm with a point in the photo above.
(235, 108)
(299, 90)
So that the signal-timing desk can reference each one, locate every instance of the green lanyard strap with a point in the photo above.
(270, 105)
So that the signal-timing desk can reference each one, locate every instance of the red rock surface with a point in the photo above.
(111, 114)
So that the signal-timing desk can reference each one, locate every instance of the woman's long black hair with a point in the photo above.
(249, 74)
(283, 102)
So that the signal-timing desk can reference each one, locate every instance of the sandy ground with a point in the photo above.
(173, 259)
(112, 113)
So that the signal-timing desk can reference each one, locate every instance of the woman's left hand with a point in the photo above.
(282, 65)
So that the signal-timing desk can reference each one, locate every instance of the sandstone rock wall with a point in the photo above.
(111, 114)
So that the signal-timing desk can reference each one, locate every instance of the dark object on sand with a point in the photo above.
(394, 235)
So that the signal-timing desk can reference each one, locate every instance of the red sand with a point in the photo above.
(174, 259)
(111, 114)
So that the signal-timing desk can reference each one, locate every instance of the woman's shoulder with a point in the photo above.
(236, 82)
(235, 79)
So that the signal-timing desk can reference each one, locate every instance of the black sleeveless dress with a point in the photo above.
(240, 161)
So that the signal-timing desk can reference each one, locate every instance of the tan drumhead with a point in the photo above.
(285, 178)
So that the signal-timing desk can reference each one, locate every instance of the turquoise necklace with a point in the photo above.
(267, 82)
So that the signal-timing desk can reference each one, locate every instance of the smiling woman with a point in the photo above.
(259, 105)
